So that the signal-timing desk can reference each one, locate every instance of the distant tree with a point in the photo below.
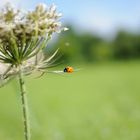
(126, 45)
(86, 47)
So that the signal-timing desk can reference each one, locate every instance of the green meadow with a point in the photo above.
(99, 102)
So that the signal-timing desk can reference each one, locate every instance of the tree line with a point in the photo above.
(86, 47)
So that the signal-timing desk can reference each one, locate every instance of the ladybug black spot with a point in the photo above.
(65, 70)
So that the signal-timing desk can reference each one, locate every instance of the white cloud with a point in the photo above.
(97, 22)
(15, 2)
(100, 23)
(106, 23)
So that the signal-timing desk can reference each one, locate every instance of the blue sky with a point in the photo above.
(102, 17)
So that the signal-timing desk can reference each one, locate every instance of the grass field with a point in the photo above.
(100, 102)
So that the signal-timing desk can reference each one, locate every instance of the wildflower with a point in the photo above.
(23, 38)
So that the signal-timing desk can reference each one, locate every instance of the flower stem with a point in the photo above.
(24, 106)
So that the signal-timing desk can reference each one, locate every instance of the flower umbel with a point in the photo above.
(23, 38)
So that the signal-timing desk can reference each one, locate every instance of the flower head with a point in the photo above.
(24, 36)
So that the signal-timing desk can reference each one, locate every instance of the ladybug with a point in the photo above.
(68, 69)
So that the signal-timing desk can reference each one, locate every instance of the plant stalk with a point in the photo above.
(24, 106)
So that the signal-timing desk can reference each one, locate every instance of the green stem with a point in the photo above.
(24, 106)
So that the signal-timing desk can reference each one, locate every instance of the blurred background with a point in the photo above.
(101, 101)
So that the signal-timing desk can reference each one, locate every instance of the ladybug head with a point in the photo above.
(65, 69)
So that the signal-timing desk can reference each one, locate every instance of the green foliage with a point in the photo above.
(100, 102)
(126, 45)
(86, 47)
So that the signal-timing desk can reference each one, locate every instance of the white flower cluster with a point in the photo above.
(43, 21)
(23, 37)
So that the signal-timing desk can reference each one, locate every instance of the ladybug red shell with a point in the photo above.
(68, 69)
